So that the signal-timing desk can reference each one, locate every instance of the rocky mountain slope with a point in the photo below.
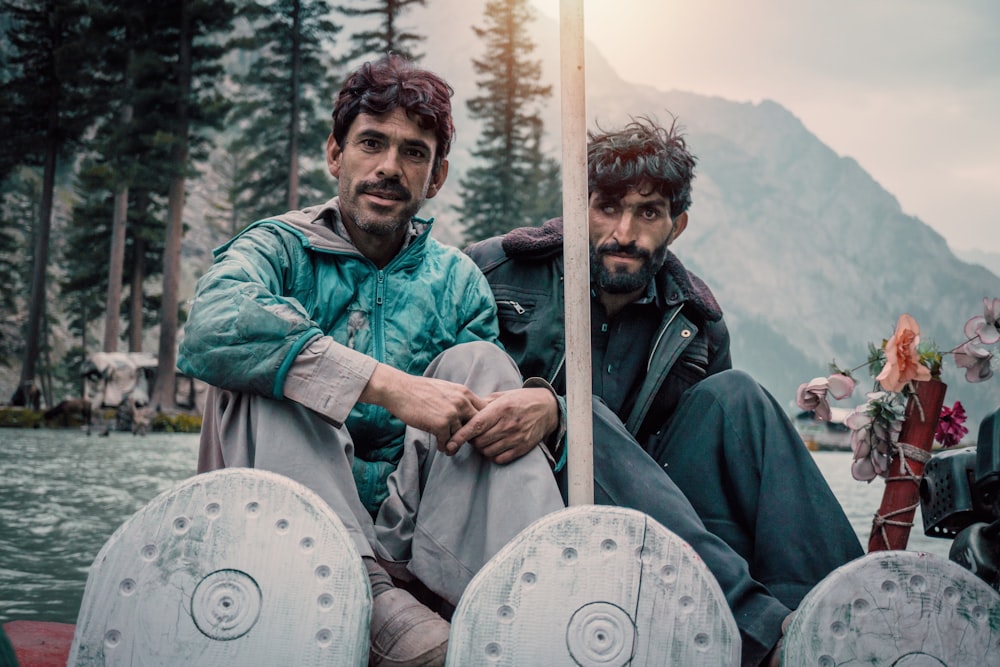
(810, 257)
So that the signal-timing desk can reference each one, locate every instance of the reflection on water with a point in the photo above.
(62, 495)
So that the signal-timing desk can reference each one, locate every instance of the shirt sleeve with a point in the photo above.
(328, 378)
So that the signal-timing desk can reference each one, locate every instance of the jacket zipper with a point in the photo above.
(379, 332)
(562, 360)
(659, 337)
(639, 412)
(518, 308)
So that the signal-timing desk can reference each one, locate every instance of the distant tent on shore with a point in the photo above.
(112, 377)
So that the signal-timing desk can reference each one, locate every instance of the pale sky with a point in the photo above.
(908, 88)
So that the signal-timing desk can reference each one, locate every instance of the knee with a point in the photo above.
(731, 395)
(467, 361)
(730, 380)
(473, 353)
(731, 387)
(474, 350)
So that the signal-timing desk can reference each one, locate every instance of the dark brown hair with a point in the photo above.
(641, 153)
(393, 82)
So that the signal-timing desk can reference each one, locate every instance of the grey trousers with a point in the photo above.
(445, 517)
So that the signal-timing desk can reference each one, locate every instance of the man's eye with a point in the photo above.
(369, 143)
(416, 154)
(651, 214)
(609, 209)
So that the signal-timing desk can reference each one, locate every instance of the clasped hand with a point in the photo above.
(503, 426)
(510, 425)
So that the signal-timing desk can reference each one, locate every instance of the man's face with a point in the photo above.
(384, 170)
(629, 238)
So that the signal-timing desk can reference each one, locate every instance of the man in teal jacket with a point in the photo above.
(345, 346)
(678, 434)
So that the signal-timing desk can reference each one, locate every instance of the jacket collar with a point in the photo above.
(322, 228)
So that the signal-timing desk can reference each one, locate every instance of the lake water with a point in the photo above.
(62, 495)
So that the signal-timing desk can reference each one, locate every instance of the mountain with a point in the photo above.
(984, 258)
(810, 257)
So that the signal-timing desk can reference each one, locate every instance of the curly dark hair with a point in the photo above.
(642, 153)
(394, 82)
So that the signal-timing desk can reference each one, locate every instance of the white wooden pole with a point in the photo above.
(576, 253)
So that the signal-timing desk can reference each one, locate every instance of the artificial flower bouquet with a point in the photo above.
(896, 365)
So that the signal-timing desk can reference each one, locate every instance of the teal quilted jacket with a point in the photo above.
(282, 282)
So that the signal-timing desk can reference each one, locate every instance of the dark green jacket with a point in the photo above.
(525, 271)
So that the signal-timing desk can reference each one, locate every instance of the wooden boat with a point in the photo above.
(245, 567)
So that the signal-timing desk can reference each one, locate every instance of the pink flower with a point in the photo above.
(862, 443)
(841, 386)
(858, 419)
(875, 427)
(902, 360)
(868, 460)
(976, 362)
(812, 394)
(950, 429)
(863, 470)
(986, 327)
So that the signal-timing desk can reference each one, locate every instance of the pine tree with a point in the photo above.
(387, 37)
(143, 262)
(128, 147)
(86, 252)
(282, 108)
(47, 104)
(84, 283)
(18, 208)
(139, 149)
(123, 29)
(514, 184)
(196, 107)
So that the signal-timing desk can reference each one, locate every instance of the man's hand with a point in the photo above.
(511, 425)
(429, 404)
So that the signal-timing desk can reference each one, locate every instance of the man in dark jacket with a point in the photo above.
(678, 434)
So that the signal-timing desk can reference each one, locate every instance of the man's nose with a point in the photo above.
(389, 167)
(624, 231)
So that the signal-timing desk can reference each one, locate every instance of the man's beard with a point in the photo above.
(377, 225)
(623, 282)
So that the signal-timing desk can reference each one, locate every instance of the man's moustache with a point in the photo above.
(387, 189)
(618, 249)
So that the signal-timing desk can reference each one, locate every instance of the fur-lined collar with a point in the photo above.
(674, 281)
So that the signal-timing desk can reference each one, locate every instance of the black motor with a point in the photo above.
(960, 499)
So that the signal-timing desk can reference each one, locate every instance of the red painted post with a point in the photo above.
(892, 524)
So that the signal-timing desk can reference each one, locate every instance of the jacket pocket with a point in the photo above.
(531, 332)
(515, 310)
(692, 367)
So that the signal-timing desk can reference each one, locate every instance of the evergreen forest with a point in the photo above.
(130, 127)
